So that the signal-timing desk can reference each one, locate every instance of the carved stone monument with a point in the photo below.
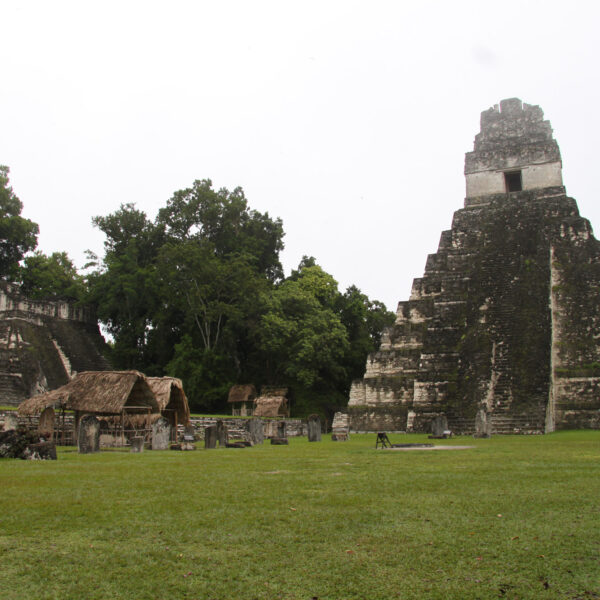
(314, 428)
(255, 431)
(222, 433)
(340, 428)
(161, 434)
(439, 426)
(88, 436)
(11, 422)
(46, 423)
(137, 444)
(210, 437)
(483, 428)
(281, 427)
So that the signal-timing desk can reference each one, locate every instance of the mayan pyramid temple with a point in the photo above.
(502, 332)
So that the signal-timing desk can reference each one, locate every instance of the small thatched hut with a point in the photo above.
(122, 394)
(172, 401)
(242, 397)
(272, 402)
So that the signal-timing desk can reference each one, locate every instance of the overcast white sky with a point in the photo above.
(347, 119)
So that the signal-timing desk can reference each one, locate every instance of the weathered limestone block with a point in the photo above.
(340, 429)
(222, 433)
(11, 421)
(46, 422)
(281, 426)
(161, 434)
(314, 428)
(88, 436)
(279, 441)
(483, 425)
(137, 444)
(255, 431)
(439, 425)
(210, 437)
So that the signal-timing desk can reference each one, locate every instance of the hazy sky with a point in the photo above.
(349, 120)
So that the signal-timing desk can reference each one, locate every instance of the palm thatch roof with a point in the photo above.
(99, 392)
(273, 390)
(242, 393)
(37, 404)
(170, 396)
(271, 406)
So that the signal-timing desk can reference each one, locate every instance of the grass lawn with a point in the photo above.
(514, 517)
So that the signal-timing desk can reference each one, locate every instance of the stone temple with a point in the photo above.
(43, 344)
(503, 329)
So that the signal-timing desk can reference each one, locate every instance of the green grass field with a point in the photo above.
(514, 517)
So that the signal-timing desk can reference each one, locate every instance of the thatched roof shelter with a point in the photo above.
(37, 404)
(271, 406)
(171, 397)
(242, 393)
(273, 390)
(98, 392)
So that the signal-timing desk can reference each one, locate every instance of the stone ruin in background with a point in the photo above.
(43, 344)
(502, 329)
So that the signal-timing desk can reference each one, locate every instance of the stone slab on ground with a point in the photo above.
(279, 441)
(183, 446)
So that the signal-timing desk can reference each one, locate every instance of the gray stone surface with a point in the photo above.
(314, 428)
(222, 433)
(44, 343)
(189, 433)
(279, 441)
(137, 444)
(439, 425)
(11, 422)
(210, 437)
(47, 421)
(483, 427)
(255, 431)
(340, 430)
(88, 436)
(161, 434)
(281, 429)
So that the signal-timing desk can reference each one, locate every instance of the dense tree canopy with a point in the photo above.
(53, 276)
(199, 293)
(17, 234)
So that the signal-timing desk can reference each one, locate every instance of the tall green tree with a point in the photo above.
(199, 293)
(365, 321)
(17, 234)
(51, 277)
(224, 219)
(124, 287)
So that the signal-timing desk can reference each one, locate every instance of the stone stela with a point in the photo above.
(88, 436)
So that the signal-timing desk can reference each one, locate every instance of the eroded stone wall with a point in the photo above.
(43, 344)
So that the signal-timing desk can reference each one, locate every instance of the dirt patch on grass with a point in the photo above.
(413, 448)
